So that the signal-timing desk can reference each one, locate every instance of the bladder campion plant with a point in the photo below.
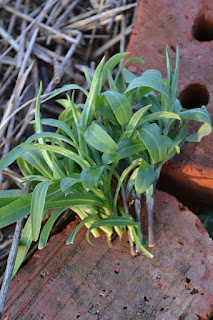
(102, 156)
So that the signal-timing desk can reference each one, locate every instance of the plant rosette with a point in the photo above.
(111, 147)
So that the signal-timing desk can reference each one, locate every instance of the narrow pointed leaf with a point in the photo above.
(152, 79)
(150, 135)
(145, 177)
(112, 84)
(64, 103)
(90, 176)
(131, 182)
(125, 173)
(8, 196)
(24, 246)
(110, 65)
(159, 115)
(134, 121)
(15, 210)
(169, 67)
(48, 227)
(120, 105)
(37, 207)
(36, 160)
(127, 148)
(68, 182)
(123, 69)
(39, 129)
(49, 135)
(65, 152)
(99, 139)
(89, 219)
(90, 104)
(147, 253)
(65, 89)
(113, 222)
(12, 156)
(174, 81)
(201, 115)
(58, 124)
(75, 200)
(87, 77)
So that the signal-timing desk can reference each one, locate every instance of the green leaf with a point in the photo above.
(90, 176)
(128, 75)
(131, 182)
(65, 89)
(121, 86)
(37, 207)
(90, 104)
(68, 182)
(87, 77)
(126, 149)
(35, 177)
(174, 81)
(106, 113)
(19, 208)
(180, 138)
(84, 199)
(134, 121)
(125, 173)
(38, 128)
(64, 103)
(24, 246)
(110, 65)
(58, 124)
(49, 135)
(36, 159)
(112, 84)
(80, 210)
(48, 227)
(113, 222)
(150, 135)
(147, 253)
(169, 67)
(159, 115)
(120, 105)
(15, 210)
(152, 79)
(12, 156)
(24, 167)
(151, 98)
(145, 177)
(99, 139)
(88, 219)
(8, 196)
(62, 151)
(58, 169)
(66, 115)
(201, 115)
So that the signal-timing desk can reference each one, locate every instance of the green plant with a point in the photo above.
(103, 155)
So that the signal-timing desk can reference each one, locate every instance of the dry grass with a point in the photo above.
(50, 41)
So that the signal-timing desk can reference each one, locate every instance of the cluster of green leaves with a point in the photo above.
(137, 125)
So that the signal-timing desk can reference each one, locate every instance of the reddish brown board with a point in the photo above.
(84, 282)
(173, 22)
